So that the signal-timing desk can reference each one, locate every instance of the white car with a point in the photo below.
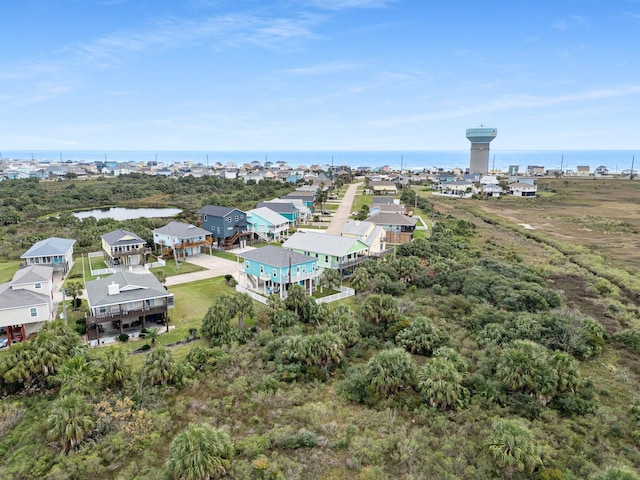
(3, 342)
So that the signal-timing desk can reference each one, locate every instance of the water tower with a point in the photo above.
(480, 139)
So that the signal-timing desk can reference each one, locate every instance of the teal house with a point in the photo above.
(267, 224)
(271, 269)
(287, 210)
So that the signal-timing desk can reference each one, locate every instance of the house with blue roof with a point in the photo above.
(54, 251)
(272, 269)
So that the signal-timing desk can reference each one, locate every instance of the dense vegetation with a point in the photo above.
(31, 210)
(455, 360)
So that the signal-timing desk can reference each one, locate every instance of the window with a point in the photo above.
(247, 265)
(38, 285)
(304, 269)
(33, 312)
(236, 218)
(228, 219)
(204, 218)
(261, 269)
(298, 270)
(275, 273)
(218, 229)
(326, 258)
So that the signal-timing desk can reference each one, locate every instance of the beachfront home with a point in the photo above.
(372, 235)
(121, 247)
(55, 252)
(180, 240)
(331, 251)
(267, 224)
(399, 227)
(125, 301)
(271, 269)
(26, 302)
(227, 224)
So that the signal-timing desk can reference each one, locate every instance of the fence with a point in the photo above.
(345, 292)
(99, 271)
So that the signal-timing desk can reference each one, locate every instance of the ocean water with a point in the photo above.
(615, 160)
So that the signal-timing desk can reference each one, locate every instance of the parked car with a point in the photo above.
(3, 342)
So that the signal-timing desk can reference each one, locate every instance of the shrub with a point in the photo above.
(123, 337)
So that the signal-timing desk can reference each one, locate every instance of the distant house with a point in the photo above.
(55, 252)
(384, 200)
(457, 187)
(372, 235)
(26, 302)
(182, 240)
(121, 247)
(126, 300)
(331, 251)
(399, 228)
(383, 188)
(387, 208)
(228, 225)
(307, 198)
(271, 269)
(521, 189)
(267, 224)
(583, 170)
(601, 171)
(535, 170)
(286, 209)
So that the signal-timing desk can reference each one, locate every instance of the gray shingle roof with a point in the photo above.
(279, 207)
(392, 219)
(323, 243)
(49, 247)
(32, 274)
(20, 297)
(133, 287)
(275, 256)
(181, 230)
(121, 237)
(215, 210)
(356, 227)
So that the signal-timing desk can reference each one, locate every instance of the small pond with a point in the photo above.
(121, 213)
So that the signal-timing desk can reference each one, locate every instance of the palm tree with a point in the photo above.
(275, 304)
(74, 290)
(243, 308)
(159, 367)
(296, 298)
(380, 309)
(566, 369)
(70, 422)
(513, 448)
(200, 453)
(331, 279)
(115, 368)
(441, 384)
(361, 280)
(217, 320)
(19, 364)
(525, 367)
(152, 334)
(421, 337)
(390, 371)
(77, 375)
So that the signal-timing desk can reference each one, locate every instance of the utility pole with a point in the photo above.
(633, 159)
(64, 306)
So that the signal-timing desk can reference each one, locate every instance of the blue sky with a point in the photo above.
(318, 74)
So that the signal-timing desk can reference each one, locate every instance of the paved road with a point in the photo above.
(343, 213)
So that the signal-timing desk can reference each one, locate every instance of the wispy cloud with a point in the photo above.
(511, 102)
(571, 22)
(323, 69)
(343, 4)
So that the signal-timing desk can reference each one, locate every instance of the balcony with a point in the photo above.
(127, 316)
(133, 251)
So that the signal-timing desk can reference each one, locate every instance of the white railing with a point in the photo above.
(257, 297)
(345, 292)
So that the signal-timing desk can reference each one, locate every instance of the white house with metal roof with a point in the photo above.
(26, 302)
(54, 252)
(332, 251)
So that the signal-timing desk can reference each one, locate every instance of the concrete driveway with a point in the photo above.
(215, 267)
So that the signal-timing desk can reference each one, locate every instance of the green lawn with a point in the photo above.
(7, 270)
(172, 269)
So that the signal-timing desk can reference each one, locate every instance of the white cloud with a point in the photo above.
(570, 22)
(323, 69)
(343, 4)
